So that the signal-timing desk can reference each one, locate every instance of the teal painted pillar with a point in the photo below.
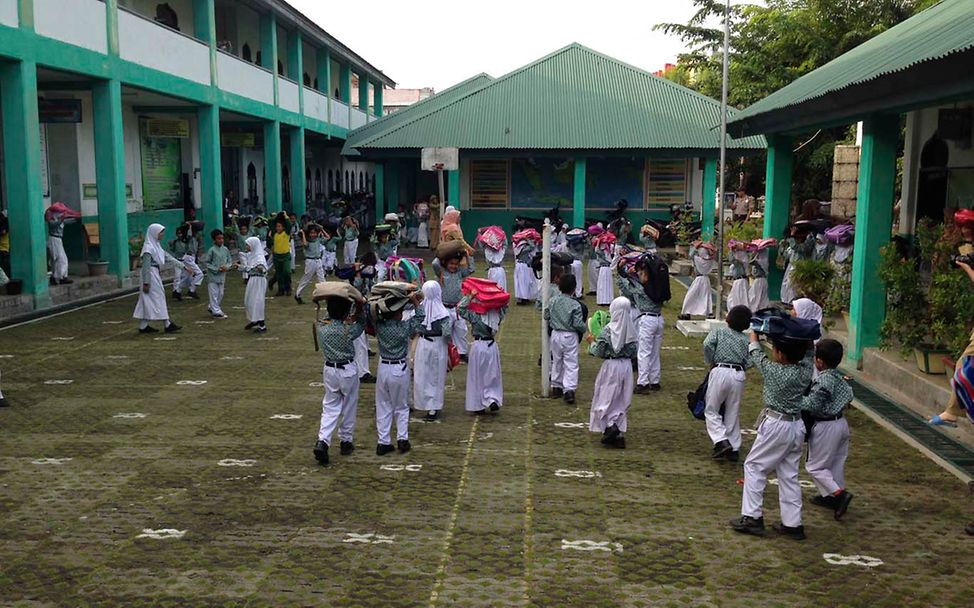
(22, 170)
(211, 170)
(272, 167)
(708, 199)
(874, 217)
(345, 83)
(380, 193)
(393, 173)
(106, 104)
(268, 47)
(323, 65)
(363, 93)
(204, 21)
(295, 60)
(298, 185)
(377, 98)
(578, 206)
(25, 10)
(777, 203)
(453, 188)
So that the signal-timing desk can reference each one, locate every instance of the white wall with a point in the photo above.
(315, 105)
(150, 45)
(695, 183)
(78, 22)
(288, 95)
(244, 79)
(8, 12)
(339, 113)
(147, 8)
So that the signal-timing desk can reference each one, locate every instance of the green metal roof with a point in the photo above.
(390, 121)
(939, 32)
(573, 99)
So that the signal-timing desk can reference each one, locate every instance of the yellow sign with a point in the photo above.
(238, 140)
(167, 127)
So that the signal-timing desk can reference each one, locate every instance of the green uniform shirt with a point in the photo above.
(564, 313)
(314, 249)
(440, 327)
(336, 339)
(527, 254)
(636, 293)
(350, 233)
(784, 385)
(393, 336)
(602, 349)
(331, 245)
(725, 345)
(452, 282)
(829, 395)
(181, 248)
(478, 328)
(384, 250)
(216, 258)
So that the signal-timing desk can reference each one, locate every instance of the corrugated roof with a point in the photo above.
(935, 33)
(391, 121)
(573, 99)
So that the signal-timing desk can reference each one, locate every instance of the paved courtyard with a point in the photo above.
(177, 471)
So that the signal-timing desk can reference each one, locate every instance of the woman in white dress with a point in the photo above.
(256, 285)
(432, 352)
(699, 299)
(152, 298)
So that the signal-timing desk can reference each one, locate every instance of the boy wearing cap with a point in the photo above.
(828, 439)
(781, 432)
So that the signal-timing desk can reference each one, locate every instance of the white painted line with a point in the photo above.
(191, 382)
(233, 462)
(412, 468)
(865, 561)
(370, 538)
(161, 534)
(130, 415)
(52, 461)
(286, 417)
(581, 474)
(58, 381)
(591, 545)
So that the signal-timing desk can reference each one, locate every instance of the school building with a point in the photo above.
(915, 78)
(141, 111)
(575, 128)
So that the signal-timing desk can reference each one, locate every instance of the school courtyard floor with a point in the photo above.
(177, 471)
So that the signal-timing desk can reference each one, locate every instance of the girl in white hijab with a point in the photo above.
(804, 308)
(485, 384)
(256, 267)
(152, 298)
(432, 352)
(612, 395)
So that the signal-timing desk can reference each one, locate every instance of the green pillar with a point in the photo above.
(377, 98)
(268, 47)
(211, 170)
(298, 185)
(578, 207)
(272, 166)
(708, 199)
(380, 193)
(295, 60)
(22, 170)
(874, 216)
(453, 188)
(393, 176)
(110, 175)
(204, 21)
(25, 9)
(323, 65)
(363, 93)
(777, 203)
(345, 83)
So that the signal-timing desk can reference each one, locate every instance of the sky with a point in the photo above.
(438, 44)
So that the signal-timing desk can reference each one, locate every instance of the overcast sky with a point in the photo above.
(438, 44)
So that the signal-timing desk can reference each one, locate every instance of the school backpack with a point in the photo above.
(492, 236)
(697, 400)
(489, 296)
(658, 288)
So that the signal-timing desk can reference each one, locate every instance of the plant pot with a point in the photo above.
(97, 269)
(930, 359)
(15, 287)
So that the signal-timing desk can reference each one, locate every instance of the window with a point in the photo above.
(666, 182)
(317, 182)
(489, 184)
(331, 183)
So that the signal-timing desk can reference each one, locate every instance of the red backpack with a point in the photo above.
(489, 295)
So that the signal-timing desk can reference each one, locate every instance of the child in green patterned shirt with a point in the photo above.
(218, 264)
(725, 349)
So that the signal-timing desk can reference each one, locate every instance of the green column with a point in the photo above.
(211, 170)
(380, 193)
(204, 21)
(777, 204)
(298, 185)
(272, 166)
(323, 63)
(295, 60)
(22, 170)
(106, 104)
(393, 172)
(363, 93)
(708, 199)
(874, 216)
(345, 83)
(453, 188)
(578, 207)
(377, 98)
(268, 47)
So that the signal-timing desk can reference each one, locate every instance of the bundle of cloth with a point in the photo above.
(779, 325)
(841, 235)
(489, 296)
(576, 237)
(492, 237)
(408, 270)
(336, 289)
(448, 250)
(558, 258)
(605, 241)
(390, 297)
(628, 256)
(597, 322)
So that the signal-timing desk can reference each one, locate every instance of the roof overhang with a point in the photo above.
(415, 153)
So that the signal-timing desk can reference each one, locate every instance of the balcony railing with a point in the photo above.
(78, 22)
(315, 105)
(8, 13)
(358, 118)
(155, 46)
(287, 94)
(339, 114)
(244, 78)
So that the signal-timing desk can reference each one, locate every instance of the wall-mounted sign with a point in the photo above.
(90, 191)
(238, 140)
(59, 110)
(167, 127)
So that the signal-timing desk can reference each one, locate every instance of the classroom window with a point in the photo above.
(489, 184)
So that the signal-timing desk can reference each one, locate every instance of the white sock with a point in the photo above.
(143, 324)
(168, 322)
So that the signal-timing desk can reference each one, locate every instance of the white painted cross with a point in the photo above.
(53, 461)
(591, 545)
(130, 415)
(582, 474)
(233, 462)
(161, 534)
(748, 432)
(370, 538)
(286, 417)
(865, 561)
(412, 468)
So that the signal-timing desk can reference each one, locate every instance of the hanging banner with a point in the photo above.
(161, 163)
(167, 127)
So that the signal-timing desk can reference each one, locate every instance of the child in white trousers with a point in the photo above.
(648, 317)
(314, 252)
(218, 263)
(566, 321)
(612, 395)
(725, 349)
(393, 333)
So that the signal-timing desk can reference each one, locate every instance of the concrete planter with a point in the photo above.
(930, 359)
(97, 269)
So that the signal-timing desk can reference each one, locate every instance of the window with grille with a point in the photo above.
(489, 184)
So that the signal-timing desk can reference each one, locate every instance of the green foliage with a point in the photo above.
(840, 293)
(812, 278)
(746, 231)
(683, 231)
(907, 312)
(135, 245)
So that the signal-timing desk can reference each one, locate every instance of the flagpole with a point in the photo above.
(719, 221)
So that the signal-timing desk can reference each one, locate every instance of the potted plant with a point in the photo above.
(812, 278)
(135, 250)
(683, 232)
(97, 268)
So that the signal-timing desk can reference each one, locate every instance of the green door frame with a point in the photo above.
(708, 200)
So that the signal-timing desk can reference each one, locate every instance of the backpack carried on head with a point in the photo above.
(489, 296)
(658, 288)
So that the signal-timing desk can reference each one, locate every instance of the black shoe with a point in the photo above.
(433, 415)
(66, 281)
(591, 293)
(748, 525)
(383, 448)
(3, 402)
(618, 443)
(177, 296)
(969, 529)
(148, 329)
(367, 378)
(539, 360)
(557, 393)
(655, 387)
(321, 452)
(721, 449)
(172, 328)
(193, 295)
(826, 502)
(53, 281)
(261, 328)
(609, 435)
(403, 445)
(570, 397)
(464, 359)
(842, 503)
(346, 448)
(683, 317)
(734, 455)
(795, 532)
(494, 407)
(250, 325)
(298, 300)
(641, 389)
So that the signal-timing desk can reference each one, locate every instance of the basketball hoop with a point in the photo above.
(437, 166)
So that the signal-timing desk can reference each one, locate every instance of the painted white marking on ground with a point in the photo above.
(412, 468)
(6, 356)
(191, 382)
(297, 322)
(370, 538)
(165, 338)
(316, 384)
(674, 348)
(570, 425)
(231, 358)
(117, 357)
(748, 432)
(865, 561)
(62, 338)
(233, 462)
(51, 461)
(130, 415)
(240, 308)
(484, 436)
(582, 474)
(286, 417)
(591, 545)
(268, 338)
(690, 368)
(58, 381)
(162, 533)
(111, 322)
(425, 421)
(801, 482)
(205, 322)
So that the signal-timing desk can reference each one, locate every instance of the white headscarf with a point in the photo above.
(492, 319)
(256, 256)
(448, 209)
(153, 246)
(807, 309)
(620, 329)
(433, 309)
